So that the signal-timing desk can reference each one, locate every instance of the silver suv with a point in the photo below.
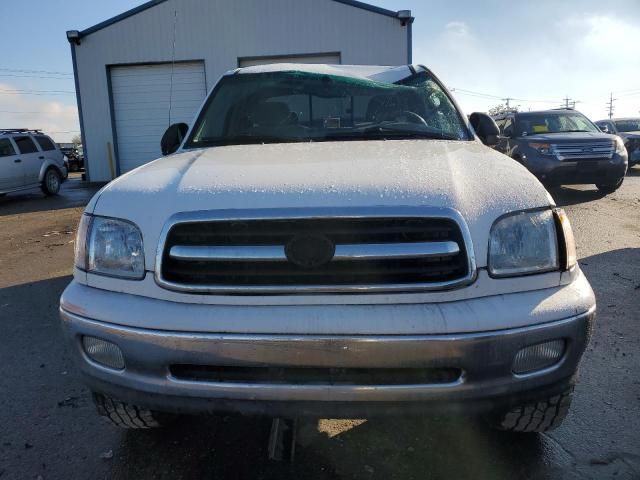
(29, 159)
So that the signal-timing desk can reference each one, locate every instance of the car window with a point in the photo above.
(628, 125)
(6, 149)
(25, 144)
(552, 122)
(295, 106)
(45, 143)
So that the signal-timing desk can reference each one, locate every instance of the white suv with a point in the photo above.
(331, 241)
(28, 159)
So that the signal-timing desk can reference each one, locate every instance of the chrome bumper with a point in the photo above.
(485, 360)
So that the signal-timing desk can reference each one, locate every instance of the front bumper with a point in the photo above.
(570, 172)
(484, 359)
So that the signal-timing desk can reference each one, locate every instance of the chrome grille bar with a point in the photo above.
(253, 253)
(276, 253)
(565, 151)
(395, 251)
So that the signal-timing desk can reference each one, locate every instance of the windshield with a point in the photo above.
(553, 122)
(632, 125)
(300, 106)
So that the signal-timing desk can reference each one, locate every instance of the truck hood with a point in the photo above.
(628, 135)
(477, 181)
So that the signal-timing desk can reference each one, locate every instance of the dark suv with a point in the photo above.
(629, 130)
(563, 147)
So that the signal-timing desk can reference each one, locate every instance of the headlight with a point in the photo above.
(111, 247)
(542, 148)
(523, 243)
(620, 148)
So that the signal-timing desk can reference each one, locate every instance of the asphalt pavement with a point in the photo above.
(48, 428)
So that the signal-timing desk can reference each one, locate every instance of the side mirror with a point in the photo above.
(485, 128)
(173, 137)
(604, 128)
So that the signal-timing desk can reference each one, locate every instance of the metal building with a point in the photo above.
(152, 66)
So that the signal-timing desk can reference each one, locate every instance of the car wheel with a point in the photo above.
(534, 417)
(51, 183)
(128, 416)
(609, 188)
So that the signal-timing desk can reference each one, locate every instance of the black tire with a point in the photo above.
(535, 417)
(51, 182)
(128, 416)
(609, 188)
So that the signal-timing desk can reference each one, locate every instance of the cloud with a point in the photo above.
(583, 56)
(57, 118)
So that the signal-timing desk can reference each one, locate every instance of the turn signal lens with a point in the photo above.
(538, 357)
(570, 254)
(103, 352)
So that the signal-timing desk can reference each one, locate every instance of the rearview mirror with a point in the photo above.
(485, 128)
(172, 138)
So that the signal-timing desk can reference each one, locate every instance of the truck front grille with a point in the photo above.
(283, 255)
(584, 151)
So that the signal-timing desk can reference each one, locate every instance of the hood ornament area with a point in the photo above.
(310, 251)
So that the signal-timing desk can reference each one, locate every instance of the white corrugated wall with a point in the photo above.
(219, 32)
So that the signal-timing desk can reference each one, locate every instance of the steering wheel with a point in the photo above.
(413, 117)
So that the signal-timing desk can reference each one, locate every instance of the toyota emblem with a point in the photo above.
(310, 251)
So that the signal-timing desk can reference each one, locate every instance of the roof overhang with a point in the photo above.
(404, 16)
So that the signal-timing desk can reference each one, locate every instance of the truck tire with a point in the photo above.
(128, 416)
(539, 416)
(51, 182)
(609, 188)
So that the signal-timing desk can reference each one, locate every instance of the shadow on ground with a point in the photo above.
(73, 193)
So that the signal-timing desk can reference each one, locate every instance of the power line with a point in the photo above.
(47, 72)
(498, 97)
(35, 76)
(35, 92)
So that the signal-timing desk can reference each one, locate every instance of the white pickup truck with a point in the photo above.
(331, 241)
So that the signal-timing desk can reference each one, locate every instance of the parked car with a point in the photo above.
(29, 159)
(332, 241)
(629, 130)
(75, 157)
(563, 147)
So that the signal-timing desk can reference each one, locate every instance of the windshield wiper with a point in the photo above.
(392, 131)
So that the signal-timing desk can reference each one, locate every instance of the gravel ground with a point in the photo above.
(48, 428)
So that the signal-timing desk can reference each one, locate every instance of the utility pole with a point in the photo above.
(506, 102)
(566, 101)
(610, 105)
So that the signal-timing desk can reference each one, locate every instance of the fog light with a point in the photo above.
(103, 352)
(538, 357)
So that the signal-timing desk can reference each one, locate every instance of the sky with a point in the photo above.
(536, 52)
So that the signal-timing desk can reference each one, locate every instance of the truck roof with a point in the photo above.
(370, 72)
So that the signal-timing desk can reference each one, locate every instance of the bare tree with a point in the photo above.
(76, 140)
(502, 108)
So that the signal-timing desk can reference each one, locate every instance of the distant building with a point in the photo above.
(124, 67)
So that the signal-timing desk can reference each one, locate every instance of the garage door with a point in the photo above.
(142, 96)
(329, 58)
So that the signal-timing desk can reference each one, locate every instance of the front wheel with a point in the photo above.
(607, 188)
(51, 183)
(128, 416)
(534, 417)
